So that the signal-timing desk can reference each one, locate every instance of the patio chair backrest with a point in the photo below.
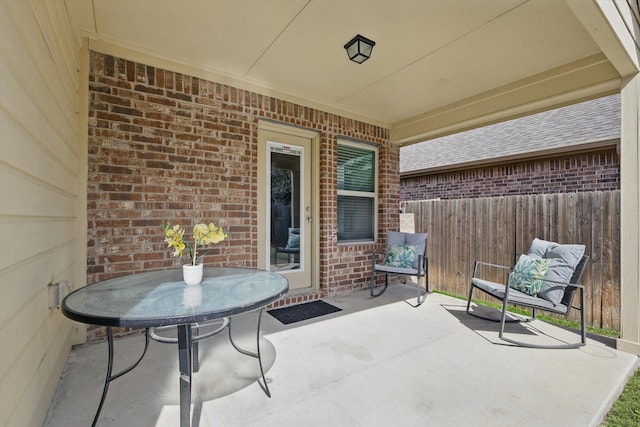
(570, 291)
(419, 240)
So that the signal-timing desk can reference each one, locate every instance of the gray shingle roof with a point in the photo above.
(590, 121)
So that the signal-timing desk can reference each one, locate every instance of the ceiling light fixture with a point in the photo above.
(359, 48)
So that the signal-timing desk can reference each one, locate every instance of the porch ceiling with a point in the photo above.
(438, 66)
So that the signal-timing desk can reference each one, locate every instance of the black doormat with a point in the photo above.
(304, 311)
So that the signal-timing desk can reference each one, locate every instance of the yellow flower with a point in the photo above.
(202, 234)
(208, 234)
(179, 246)
(174, 238)
(218, 235)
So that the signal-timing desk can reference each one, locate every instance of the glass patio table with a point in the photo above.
(157, 299)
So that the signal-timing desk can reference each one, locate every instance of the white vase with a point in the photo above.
(192, 274)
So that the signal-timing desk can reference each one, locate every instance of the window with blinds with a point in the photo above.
(357, 192)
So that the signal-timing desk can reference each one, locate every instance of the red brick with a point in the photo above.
(209, 130)
(540, 176)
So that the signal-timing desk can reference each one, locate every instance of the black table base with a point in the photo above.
(187, 360)
(111, 377)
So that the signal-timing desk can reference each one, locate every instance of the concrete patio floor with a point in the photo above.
(378, 362)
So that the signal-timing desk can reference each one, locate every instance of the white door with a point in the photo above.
(286, 214)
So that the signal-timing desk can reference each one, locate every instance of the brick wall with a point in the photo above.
(168, 147)
(591, 171)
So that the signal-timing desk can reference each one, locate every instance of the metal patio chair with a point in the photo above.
(293, 245)
(406, 255)
(558, 287)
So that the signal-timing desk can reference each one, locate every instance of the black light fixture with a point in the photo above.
(359, 48)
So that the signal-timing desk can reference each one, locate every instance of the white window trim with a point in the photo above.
(374, 195)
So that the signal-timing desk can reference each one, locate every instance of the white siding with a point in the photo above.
(39, 184)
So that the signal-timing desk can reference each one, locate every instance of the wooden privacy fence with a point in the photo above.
(499, 229)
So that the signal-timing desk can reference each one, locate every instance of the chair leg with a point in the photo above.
(469, 299)
(503, 317)
(583, 328)
(475, 269)
(582, 342)
(426, 275)
(548, 347)
(373, 284)
(422, 297)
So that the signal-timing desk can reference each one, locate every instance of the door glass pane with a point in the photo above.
(285, 237)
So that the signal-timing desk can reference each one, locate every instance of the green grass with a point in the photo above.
(625, 411)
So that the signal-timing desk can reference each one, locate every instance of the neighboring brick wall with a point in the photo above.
(591, 171)
(164, 146)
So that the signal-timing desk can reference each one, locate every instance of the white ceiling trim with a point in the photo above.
(611, 32)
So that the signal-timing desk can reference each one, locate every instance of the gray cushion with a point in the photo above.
(395, 238)
(564, 259)
(539, 247)
(396, 270)
(517, 297)
(419, 240)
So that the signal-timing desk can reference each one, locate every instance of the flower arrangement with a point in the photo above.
(203, 234)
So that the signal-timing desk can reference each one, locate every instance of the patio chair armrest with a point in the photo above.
(374, 254)
(477, 264)
(422, 264)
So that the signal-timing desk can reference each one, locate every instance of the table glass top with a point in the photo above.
(161, 297)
